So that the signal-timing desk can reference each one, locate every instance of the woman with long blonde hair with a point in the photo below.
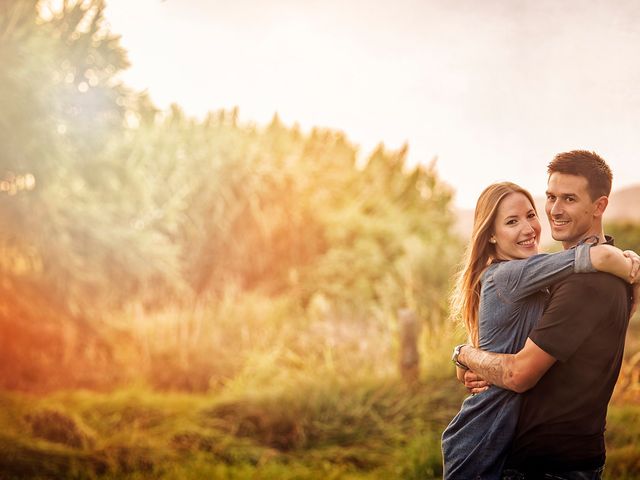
(499, 296)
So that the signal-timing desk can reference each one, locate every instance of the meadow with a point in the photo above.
(301, 405)
(188, 298)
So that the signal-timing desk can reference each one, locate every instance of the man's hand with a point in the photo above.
(475, 383)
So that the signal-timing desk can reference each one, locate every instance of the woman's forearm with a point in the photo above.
(609, 259)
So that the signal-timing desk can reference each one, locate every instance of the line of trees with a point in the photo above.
(107, 201)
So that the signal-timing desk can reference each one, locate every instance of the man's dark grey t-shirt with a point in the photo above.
(562, 419)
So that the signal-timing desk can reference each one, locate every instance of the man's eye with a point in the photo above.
(571, 199)
(551, 198)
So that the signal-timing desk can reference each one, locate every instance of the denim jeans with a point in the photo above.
(596, 474)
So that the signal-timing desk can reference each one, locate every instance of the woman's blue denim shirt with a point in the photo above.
(512, 300)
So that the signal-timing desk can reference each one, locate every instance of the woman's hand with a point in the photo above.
(633, 275)
(636, 298)
(635, 265)
(475, 383)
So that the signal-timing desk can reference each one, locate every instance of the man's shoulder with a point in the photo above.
(595, 277)
(589, 283)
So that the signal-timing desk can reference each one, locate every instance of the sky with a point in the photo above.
(493, 89)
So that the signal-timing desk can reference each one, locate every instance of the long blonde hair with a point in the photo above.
(465, 300)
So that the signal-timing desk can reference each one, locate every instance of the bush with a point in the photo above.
(56, 427)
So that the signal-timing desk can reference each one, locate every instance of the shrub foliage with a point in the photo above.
(107, 202)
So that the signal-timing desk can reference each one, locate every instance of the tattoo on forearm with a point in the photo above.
(492, 366)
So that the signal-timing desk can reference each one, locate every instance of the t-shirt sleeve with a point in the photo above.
(517, 279)
(569, 318)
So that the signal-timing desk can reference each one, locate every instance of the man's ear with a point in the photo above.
(600, 206)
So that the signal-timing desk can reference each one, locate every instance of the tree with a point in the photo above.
(69, 202)
(626, 234)
(106, 201)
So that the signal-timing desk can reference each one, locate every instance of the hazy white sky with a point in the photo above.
(493, 89)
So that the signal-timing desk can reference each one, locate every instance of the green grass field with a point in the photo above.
(310, 431)
(306, 431)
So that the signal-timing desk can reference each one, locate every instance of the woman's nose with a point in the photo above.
(528, 226)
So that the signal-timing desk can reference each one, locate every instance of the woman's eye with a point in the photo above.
(532, 215)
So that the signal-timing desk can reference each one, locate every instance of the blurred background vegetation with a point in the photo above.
(194, 298)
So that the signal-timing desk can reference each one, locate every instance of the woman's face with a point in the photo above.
(516, 228)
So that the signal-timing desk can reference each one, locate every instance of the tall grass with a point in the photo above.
(256, 388)
(246, 341)
(245, 387)
(361, 430)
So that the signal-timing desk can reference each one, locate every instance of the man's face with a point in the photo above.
(570, 209)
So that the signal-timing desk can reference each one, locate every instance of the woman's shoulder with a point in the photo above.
(520, 263)
(517, 267)
(491, 269)
(520, 278)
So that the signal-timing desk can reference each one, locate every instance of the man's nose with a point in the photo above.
(556, 208)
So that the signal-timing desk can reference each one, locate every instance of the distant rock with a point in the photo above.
(624, 205)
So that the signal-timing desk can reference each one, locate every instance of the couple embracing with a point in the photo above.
(546, 332)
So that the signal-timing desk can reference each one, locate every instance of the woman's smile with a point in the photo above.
(516, 229)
